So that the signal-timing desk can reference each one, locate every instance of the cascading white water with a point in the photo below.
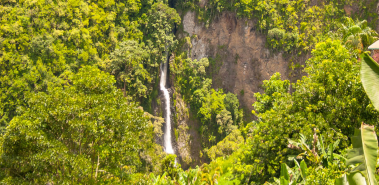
(167, 133)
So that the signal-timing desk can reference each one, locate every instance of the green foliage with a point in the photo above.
(242, 92)
(159, 37)
(331, 98)
(364, 153)
(159, 179)
(218, 112)
(42, 39)
(176, 134)
(275, 37)
(191, 177)
(361, 159)
(84, 131)
(356, 179)
(361, 162)
(316, 154)
(64, 122)
(67, 122)
(290, 25)
(227, 146)
(357, 34)
(225, 122)
(126, 63)
(212, 105)
(284, 176)
(321, 175)
(232, 105)
(178, 176)
(295, 175)
(190, 76)
(274, 88)
(170, 166)
(370, 76)
(303, 170)
(321, 160)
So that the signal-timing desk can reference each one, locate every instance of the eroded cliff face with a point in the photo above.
(241, 61)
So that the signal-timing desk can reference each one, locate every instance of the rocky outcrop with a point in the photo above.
(241, 61)
(187, 136)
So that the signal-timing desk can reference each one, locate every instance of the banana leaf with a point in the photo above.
(370, 78)
(364, 153)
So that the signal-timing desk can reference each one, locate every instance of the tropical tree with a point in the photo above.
(363, 157)
(170, 167)
(41, 40)
(85, 131)
(365, 145)
(357, 34)
(274, 88)
(227, 146)
(370, 78)
(225, 122)
(159, 38)
(127, 64)
(330, 98)
(232, 105)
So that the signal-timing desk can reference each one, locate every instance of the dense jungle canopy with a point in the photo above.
(80, 101)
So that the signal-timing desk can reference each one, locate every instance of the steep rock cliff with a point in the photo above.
(240, 59)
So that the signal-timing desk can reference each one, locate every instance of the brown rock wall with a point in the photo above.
(242, 61)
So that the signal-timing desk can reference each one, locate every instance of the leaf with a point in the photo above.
(321, 146)
(364, 152)
(355, 29)
(311, 156)
(356, 179)
(351, 179)
(303, 168)
(284, 181)
(284, 172)
(297, 164)
(335, 145)
(339, 157)
(330, 153)
(341, 181)
(370, 79)
(276, 180)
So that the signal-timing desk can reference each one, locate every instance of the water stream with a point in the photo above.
(167, 133)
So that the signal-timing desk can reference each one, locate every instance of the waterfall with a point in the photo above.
(167, 133)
